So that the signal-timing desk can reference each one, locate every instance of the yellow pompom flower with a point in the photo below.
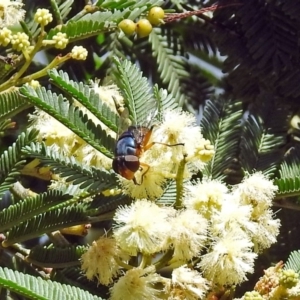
(137, 284)
(229, 259)
(142, 227)
(100, 260)
(11, 13)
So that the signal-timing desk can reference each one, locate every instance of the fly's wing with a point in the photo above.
(149, 113)
(124, 120)
(140, 124)
(147, 120)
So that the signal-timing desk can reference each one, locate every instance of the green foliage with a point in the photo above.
(263, 138)
(47, 222)
(37, 288)
(29, 207)
(289, 180)
(238, 70)
(293, 261)
(87, 97)
(61, 11)
(72, 117)
(171, 67)
(91, 179)
(11, 104)
(74, 276)
(56, 257)
(11, 161)
(135, 89)
(221, 123)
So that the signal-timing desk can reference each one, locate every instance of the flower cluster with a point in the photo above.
(11, 13)
(79, 53)
(61, 40)
(43, 16)
(176, 139)
(5, 36)
(19, 41)
(232, 226)
(276, 283)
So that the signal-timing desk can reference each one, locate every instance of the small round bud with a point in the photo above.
(288, 278)
(79, 53)
(43, 16)
(127, 26)
(156, 15)
(5, 36)
(61, 40)
(33, 83)
(143, 28)
(20, 41)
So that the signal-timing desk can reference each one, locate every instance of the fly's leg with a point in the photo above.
(148, 146)
(143, 166)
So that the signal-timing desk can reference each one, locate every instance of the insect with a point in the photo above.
(129, 148)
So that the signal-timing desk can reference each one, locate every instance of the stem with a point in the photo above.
(19, 248)
(179, 183)
(162, 262)
(55, 62)
(122, 264)
(104, 217)
(13, 81)
(18, 190)
(177, 16)
(146, 261)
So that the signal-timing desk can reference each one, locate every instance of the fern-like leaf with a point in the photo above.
(11, 160)
(293, 261)
(289, 180)
(29, 207)
(111, 4)
(47, 222)
(10, 104)
(56, 257)
(87, 97)
(221, 125)
(264, 136)
(101, 21)
(72, 117)
(36, 288)
(171, 67)
(91, 179)
(102, 204)
(74, 276)
(61, 11)
(136, 90)
(169, 196)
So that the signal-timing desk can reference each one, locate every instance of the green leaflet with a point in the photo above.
(37, 288)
